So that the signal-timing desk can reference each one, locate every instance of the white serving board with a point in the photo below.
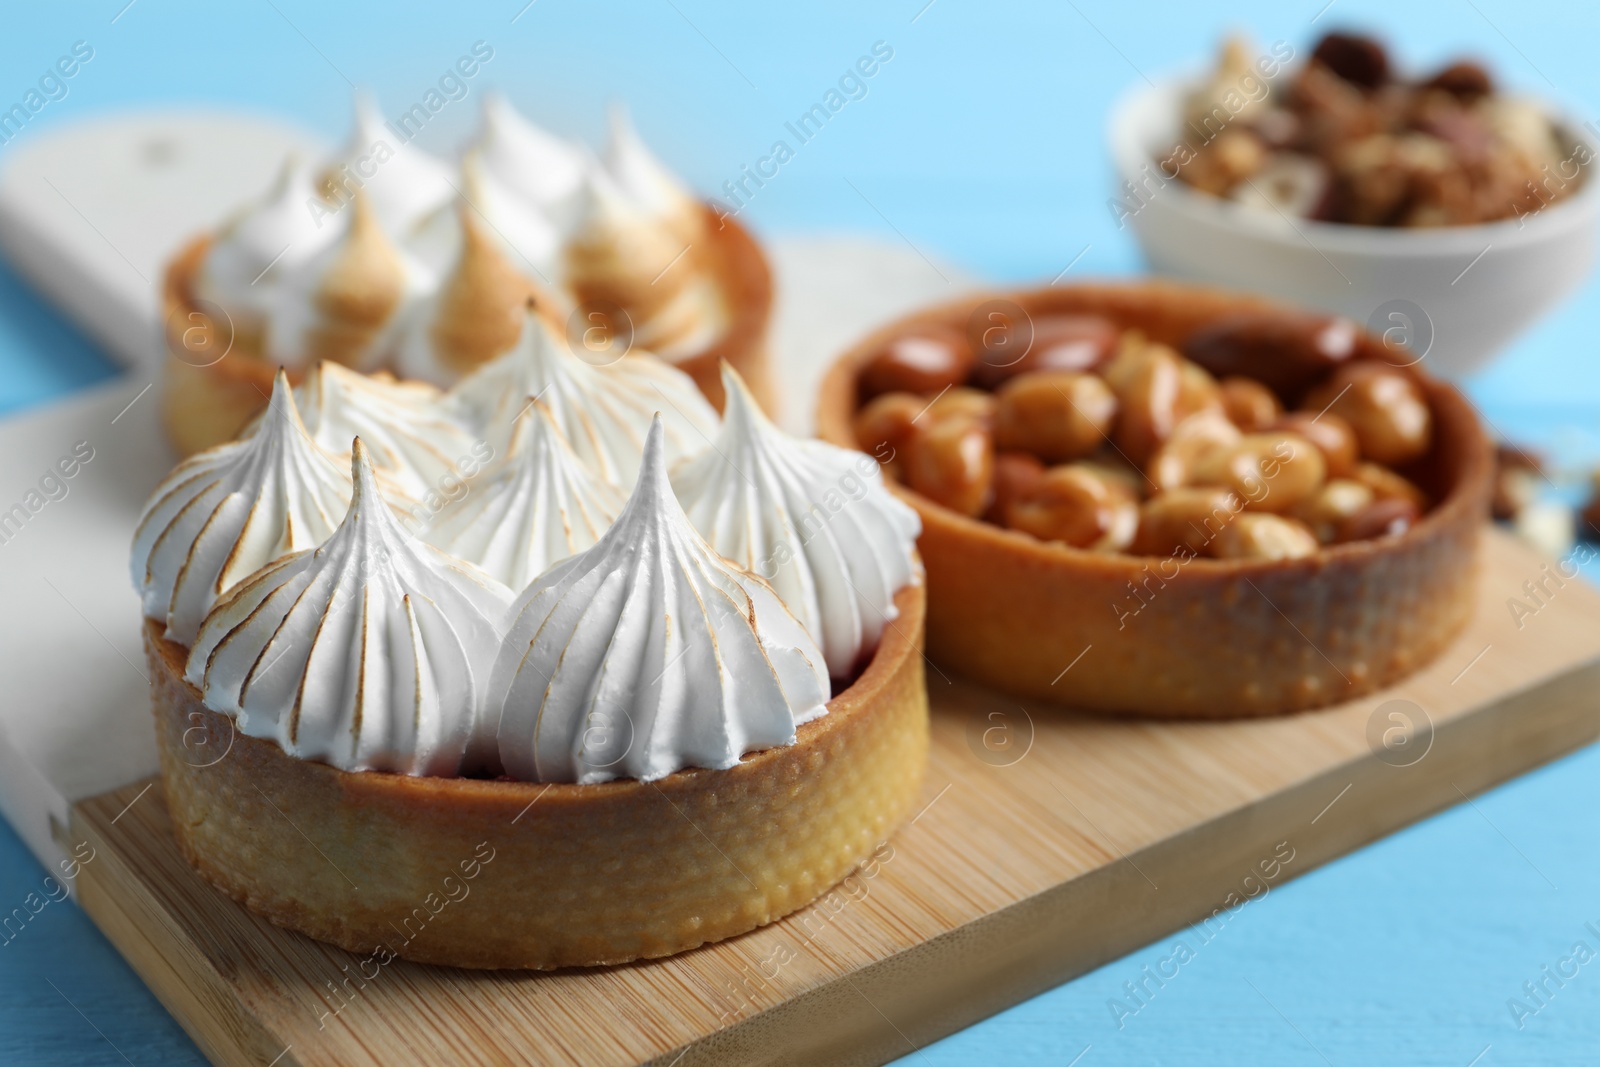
(89, 214)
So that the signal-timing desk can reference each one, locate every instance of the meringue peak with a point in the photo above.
(367, 652)
(226, 512)
(814, 520)
(649, 653)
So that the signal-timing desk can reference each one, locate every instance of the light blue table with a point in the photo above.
(981, 141)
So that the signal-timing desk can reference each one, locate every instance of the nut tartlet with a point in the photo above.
(673, 734)
(1173, 632)
(386, 259)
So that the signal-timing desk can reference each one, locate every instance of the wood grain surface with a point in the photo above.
(1047, 843)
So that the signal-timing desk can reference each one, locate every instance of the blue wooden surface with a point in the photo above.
(981, 141)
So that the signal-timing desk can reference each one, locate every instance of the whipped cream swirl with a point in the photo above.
(814, 520)
(228, 511)
(368, 653)
(537, 507)
(602, 411)
(649, 653)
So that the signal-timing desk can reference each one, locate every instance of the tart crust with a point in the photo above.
(225, 381)
(1204, 638)
(575, 875)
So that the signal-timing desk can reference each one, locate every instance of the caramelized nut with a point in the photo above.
(1060, 343)
(951, 462)
(962, 402)
(1148, 394)
(1384, 407)
(923, 362)
(1336, 502)
(1274, 471)
(1387, 485)
(1331, 434)
(1016, 474)
(885, 426)
(1463, 79)
(1381, 518)
(1075, 506)
(1193, 453)
(1184, 521)
(1257, 536)
(1517, 473)
(1053, 414)
(1251, 405)
(1284, 351)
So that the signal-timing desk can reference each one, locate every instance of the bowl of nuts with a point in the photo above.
(1446, 214)
(1158, 499)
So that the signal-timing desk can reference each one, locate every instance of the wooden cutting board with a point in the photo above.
(1047, 844)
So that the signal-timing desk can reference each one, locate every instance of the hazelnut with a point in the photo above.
(1285, 351)
(1387, 485)
(951, 462)
(926, 361)
(1257, 536)
(1251, 405)
(1075, 506)
(1192, 454)
(1059, 343)
(1274, 471)
(886, 424)
(1384, 407)
(1357, 59)
(1331, 434)
(1465, 80)
(1336, 502)
(1056, 415)
(1381, 518)
(1184, 521)
(1016, 474)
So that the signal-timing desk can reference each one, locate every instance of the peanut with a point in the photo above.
(1073, 505)
(1251, 405)
(1055, 415)
(951, 462)
(1192, 453)
(1274, 471)
(1184, 521)
(1332, 436)
(1384, 407)
(1257, 536)
(1060, 343)
(1381, 518)
(1336, 502)
(886, 425)
(1284, 351)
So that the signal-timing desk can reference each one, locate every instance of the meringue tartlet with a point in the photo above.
(665, 714)
(424, 270)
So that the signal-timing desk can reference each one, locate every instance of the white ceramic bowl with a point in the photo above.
(1457, 295)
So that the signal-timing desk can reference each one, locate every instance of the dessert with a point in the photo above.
(386, 258)
(550, 694)
(1237, 508)
(1345, 138)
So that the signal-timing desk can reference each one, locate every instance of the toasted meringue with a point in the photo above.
(540, 167)
(536, 507)
(601, 411)
(344, 303)
(475, 314)
(404, 183)
(252, 250)
(227, 511)
(812, 519)
(621, 253)
(646, 180)
(649, 653)
(411, 441)
(368, 653)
